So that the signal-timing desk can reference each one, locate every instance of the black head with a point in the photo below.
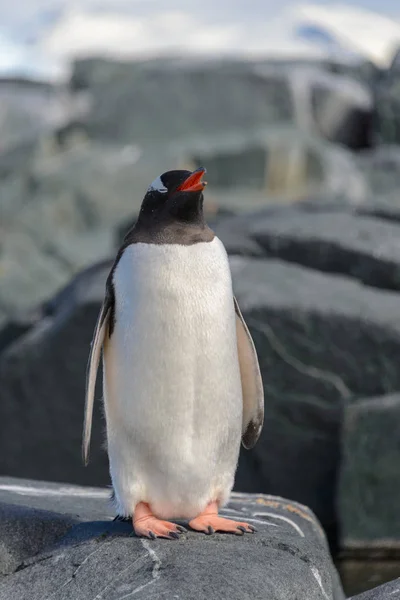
(175, 196)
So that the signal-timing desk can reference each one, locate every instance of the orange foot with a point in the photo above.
(146, 524)
(209, 522)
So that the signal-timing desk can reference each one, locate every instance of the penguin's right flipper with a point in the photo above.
(91, 373)
(252, 386)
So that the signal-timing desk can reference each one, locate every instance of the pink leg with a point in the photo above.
(209, 522)
(146, 524)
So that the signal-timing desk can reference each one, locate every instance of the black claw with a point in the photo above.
(181, 529)
(252, 529)
(210, 530)
(239, 530)
(174, 535)
(242, 528)
(152, 535)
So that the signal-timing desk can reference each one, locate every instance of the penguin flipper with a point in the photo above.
(91, 373)
(252, 386)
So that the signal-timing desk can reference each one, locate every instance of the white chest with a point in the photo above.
(174, 340)
(172, 390)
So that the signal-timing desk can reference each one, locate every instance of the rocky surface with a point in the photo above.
(206, 97)
(42, 374)
(336, 241)
(77, 551)
(66, 186)
(57, 218)
(369, 483)
(388, 591)
(311, 332)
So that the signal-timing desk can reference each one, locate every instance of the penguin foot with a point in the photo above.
(209, 522)
(146, 524)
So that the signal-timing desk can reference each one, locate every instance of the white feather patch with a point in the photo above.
(157, 186)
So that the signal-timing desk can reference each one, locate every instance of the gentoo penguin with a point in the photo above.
(181, 380)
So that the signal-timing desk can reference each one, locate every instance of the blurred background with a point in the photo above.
(294, 110)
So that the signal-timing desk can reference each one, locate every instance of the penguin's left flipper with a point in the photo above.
(91, 374)
(252, 387)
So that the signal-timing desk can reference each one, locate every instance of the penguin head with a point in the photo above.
(175, 196)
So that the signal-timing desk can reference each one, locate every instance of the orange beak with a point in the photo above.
(193, 183)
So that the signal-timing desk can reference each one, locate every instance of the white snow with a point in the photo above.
(287, 30)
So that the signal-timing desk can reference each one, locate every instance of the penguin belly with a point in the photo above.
(172, 386)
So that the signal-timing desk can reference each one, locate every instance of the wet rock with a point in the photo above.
(286, 559)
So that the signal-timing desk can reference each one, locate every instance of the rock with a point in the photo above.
(369, 482)
(42, 374)
(236, 231)
(312, 331)
(17, 326)
(365, 248)
(59, 218)
(364, 566)
(286, 559)
(249, 95)
(31, 108)
(25, 531)
(388, 591)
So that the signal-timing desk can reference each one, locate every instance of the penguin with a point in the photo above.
(181, 380)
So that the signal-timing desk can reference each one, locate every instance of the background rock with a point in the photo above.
(42, 374)
(369, 483)
(382, 592)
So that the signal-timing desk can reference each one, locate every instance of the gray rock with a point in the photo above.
(42, 374)
(25, 531)
(58, 217)
(236, 231)
(312, 331)
(201, 98)
(388, 591)
(369, 482)
(286, 559)
(365, 248)
(18, 325)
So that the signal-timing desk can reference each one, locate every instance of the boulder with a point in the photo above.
(388, 591)
(369, 482)
(42, 377)
(88, 555)
(17, 325)
(363, 247)
(201, 98)
(58, 217)
(312, 332)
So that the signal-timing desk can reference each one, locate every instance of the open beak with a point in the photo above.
(193, 183)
